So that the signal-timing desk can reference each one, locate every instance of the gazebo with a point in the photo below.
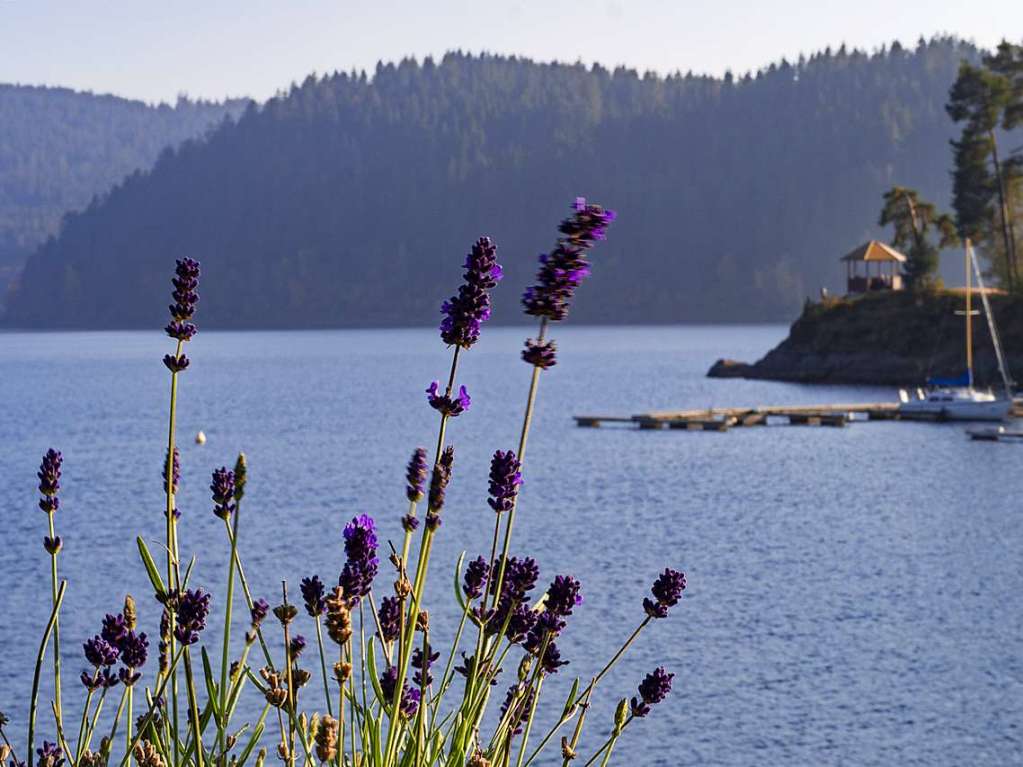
(881, 268)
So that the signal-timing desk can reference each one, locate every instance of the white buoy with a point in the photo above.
(200, 438)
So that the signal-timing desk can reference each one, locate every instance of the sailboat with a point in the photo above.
(956, 399)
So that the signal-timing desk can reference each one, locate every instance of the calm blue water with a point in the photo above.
(856, 595)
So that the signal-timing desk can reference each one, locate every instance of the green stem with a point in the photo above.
(85, 718)
(323, 666)
(225, 682)
(38, 669)
(404, 650)
(56, 630)
(527, 421)
(171, 544)
(610, 742)
(200, 754)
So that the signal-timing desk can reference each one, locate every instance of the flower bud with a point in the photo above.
(131, 618)
(621, 713)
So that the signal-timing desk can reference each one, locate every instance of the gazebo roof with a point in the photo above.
(874, 251)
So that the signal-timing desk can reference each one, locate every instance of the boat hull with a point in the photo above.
(995, 410)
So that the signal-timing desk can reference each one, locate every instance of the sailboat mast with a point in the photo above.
(969, 317)
(992, 328)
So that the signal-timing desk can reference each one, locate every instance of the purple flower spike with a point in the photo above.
(563, 595)
(667, 591)
(564, 268)
(422, 663)
(175, 364)
(409, 703)
(415, 475)
(134, 649)
(476, 574)
(49, 755)
(409, 523)
(99, 652)
(541, 355)
(505, 478)
(652, 690)
(222, 488)
(361, 538)
(258, 612)
(296, 647)
(466, 312)
(439, 481)
(314, 593)
(115, 629)
(193, 607)
(448, 406)
(390, 618)
(361, 567)
(49, 480)
(185, 282)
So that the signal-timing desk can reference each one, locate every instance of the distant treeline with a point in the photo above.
(59, 148)
(351, 199)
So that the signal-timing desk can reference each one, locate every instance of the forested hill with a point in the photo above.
(60, 147)
(351, 200)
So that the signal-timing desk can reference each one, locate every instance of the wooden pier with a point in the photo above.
(725, 418)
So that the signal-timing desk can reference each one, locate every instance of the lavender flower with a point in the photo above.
(54, 544)
(446, 405)
(409, 703)
(115, 629)
(193, 607)
(134, 649)
(99, 652)
(258, 612)
(415, 475)
(315, 595)
(175, 476)
(652, 690)
(540, 354)
(422, 663)
(521, 709)
(440, 479)
(49, 755)
(390, 618)
(361, 548)
(465, 312)
(505, 478)
(175, 364)
(667, 591)
(222, 488)
(564, 268)
(296, 646)
(409, 523)
(475, 580)
(185, 281)
(563, 595)
(49, 480)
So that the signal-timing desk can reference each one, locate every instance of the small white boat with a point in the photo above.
(957, 404)
(957, 399)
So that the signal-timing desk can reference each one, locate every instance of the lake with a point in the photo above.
(855, 595)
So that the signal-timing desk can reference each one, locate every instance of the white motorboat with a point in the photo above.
(956, 399)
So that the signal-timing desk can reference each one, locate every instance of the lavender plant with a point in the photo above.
(392, 695)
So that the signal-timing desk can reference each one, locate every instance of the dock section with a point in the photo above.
(725, 418)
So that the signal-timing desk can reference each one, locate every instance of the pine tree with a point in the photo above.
(913, 220)
(980, 98)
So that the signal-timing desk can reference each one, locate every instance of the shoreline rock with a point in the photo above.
(886, 339)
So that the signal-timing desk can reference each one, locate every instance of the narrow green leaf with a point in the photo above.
(151, 569)
(371, 668)
(458, 583)
(571, 698)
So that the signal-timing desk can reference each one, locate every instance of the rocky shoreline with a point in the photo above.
(898, 339)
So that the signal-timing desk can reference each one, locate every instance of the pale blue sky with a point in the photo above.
(212, 48)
